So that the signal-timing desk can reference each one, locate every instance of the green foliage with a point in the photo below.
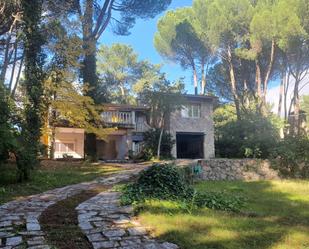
(305, 107)
(167, 182)
(252, 136)
(122, 74)
(157, 182)
(34, 77)
(180, 38)
(292, 156)
(220, 201)
(151, 141)
(7, 136)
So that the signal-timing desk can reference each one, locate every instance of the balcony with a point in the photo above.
(122, 119)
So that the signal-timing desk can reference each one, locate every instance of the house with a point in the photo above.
(192, 128)
(131, 122)
(69, 142)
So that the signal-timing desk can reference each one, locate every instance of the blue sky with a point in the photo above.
(141, 39)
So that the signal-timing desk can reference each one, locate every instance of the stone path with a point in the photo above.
(19, 225)
(109, 225)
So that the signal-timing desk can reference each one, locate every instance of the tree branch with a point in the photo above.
(104, 25)
(103, 11)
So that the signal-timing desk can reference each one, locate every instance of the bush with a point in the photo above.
(220, 201)
(253, 136)
(167, 182)
(293, 156)
(151, 140)
(7, 132)
(158, 182)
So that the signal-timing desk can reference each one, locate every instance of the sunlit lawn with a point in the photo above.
(276, 216)
(48, 176)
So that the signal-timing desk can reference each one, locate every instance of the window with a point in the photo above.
(191, 111)
(136, 147)
(64, 147)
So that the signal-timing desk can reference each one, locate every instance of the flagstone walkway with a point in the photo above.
(101, 218)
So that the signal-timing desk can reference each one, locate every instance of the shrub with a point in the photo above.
(293, 156)
(220, 201)
(167, 182)
(158, 182)
(7, 132)
(151, 140)
(252, 136)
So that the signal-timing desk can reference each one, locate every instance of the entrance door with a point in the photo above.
(190, 145)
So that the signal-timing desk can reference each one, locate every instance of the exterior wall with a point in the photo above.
(204, 124)
(70, 135)
(116, 147)
(237, 169)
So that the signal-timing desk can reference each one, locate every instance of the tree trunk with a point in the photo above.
(34, 77)
(159, 144)
(18, 76)
(89, 73)
(160, 137)
(14, 65)
(296, 119)
(52, 143)
(246, 95)
(281, 91)
(195, 78)
(6, 58)
(269, 69)
(286, 89)
(258, 80)
(203, 81)
(233, 83)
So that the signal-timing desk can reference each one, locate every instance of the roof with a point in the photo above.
(124, 107)
(200, 97)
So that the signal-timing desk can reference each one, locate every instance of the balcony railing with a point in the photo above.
(114, 117)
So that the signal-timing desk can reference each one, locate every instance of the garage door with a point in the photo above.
(190, 145)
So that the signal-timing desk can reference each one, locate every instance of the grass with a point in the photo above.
(276, 216)
(51, 174)
(60, 222)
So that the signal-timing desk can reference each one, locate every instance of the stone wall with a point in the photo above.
(238, 169)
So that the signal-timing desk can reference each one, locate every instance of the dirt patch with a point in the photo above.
(60, 223)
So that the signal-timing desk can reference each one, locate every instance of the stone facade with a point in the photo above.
(238, 169)
(203, 124)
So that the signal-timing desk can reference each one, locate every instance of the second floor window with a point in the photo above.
(191, 111)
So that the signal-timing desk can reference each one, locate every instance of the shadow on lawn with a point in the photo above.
(275, 216)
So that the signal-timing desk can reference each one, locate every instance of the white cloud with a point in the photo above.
(273, 93)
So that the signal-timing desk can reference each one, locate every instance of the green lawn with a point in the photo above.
(276, 216)
(51, 174)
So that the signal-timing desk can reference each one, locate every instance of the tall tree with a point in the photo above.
(226, 23)
(179, 39)
(95, 17)
(122, 74)
(34, 76)
(271, 29)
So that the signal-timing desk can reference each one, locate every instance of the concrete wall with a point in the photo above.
(204, 124)
(70, 135)
(238, 169)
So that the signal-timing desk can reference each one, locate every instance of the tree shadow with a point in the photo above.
(270, 217)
